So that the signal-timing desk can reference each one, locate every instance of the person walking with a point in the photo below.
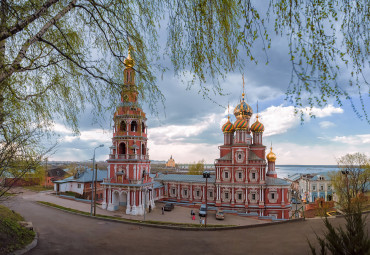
(162, 209)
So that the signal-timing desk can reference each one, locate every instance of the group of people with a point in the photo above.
(192, 214)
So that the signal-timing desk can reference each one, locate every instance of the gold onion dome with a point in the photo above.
(271, 156)
(243, 110)
(241, 124)
(257, 126)
(129, 62)
(228, 127)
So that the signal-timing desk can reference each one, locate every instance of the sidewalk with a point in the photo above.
(179, 214)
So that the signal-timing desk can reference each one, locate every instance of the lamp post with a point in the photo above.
(346, 172)
(206, 175)
(92, 182)
(145, 192)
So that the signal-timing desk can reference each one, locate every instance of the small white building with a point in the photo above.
(81, 183)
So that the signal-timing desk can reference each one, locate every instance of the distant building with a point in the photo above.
(81, 183)
(312, 187)
(171, 162)
(54, 174)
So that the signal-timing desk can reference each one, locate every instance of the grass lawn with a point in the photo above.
(38, 188)
(12, 235)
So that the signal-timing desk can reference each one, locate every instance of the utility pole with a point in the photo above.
(46, 171)
(96, 177)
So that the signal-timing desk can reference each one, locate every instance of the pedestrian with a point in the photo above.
(191, 213)
(162, 209)
(150, 208)
(200, 220)
(193, 217)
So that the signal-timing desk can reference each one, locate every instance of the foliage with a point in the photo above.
(352, 180)
(353, 239)
(196, 168)
(349, 185)
(12, 235)
(58, 57)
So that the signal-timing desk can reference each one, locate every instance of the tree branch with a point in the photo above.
(23, 23)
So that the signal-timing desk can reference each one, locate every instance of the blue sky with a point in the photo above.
(189, 128)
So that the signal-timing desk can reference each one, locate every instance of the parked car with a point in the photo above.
(295, 201)
(220, 214)
(169, 207)
(202, 211)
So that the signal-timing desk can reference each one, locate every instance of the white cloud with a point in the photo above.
(179, 133)
(296, 154)
(326, 124)
(278, 119)
(353, 139)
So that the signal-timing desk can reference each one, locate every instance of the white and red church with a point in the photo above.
(243, 181)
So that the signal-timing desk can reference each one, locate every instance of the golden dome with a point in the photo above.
(271, 156)
(129, 62)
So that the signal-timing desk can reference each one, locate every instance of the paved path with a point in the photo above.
(64, 233)
(180, 214)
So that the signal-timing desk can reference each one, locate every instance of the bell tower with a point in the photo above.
(128, 164)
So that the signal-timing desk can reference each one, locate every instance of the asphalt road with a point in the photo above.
(64, 233)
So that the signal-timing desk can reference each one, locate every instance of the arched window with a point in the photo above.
(122, 126)
(143, 151)
(122, 148)
(143, 127)
(133, 126)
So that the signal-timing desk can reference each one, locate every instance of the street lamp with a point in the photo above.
(92, 182)
(346, 172)
(145, 192)
(206, 175)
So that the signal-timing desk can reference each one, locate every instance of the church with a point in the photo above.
(245, 179)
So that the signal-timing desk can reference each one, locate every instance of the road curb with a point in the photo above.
(176, 227)
(29, 247)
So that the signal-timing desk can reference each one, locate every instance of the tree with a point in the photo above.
(349, 185)
(196, 168)
(352, 179)
(58, 57)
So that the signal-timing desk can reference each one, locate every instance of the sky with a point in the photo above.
(189, 128)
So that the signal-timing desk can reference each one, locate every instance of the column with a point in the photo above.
(246, 196)
(128, 206)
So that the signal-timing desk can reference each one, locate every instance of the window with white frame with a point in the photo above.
(173, 191)
(79, 185)
(226, 175)
(321, 187)
(253, 196)
(226, 195)
(240, 196)
(211, 194)
(314, 187)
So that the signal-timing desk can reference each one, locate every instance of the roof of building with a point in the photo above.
(157, 185)
(253, 156)
(294, 177)
(226, 157)
(85, 176)
(56, 172)
(184, 178)
(323, 174)
(276, 181)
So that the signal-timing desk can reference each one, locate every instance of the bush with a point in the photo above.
(12, 235)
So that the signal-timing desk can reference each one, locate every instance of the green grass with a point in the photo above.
(38, 188)
(12, 235)
(163, 223)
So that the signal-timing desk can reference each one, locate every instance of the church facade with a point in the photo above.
(245, 179)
